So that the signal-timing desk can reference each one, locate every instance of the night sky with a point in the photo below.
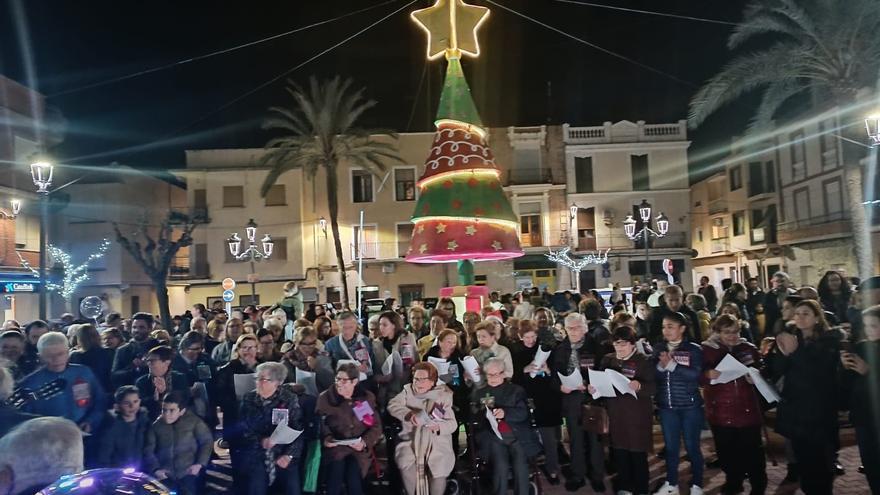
(148, 121)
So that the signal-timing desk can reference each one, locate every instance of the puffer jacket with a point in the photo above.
(678, 385)
(734, 404)
(176, 447)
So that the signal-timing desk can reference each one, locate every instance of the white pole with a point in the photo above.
(360, 253)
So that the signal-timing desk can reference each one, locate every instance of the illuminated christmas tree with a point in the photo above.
(462, 213)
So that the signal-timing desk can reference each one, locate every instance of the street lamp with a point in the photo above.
(252, 253)
(15, 209)
(322, 224)
(41, 173)
(872, 127)
(629, 227)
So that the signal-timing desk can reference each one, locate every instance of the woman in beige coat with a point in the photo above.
(424, 453)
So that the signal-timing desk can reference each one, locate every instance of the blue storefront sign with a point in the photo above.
(18, 287)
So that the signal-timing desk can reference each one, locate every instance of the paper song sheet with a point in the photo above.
(284, 435)
(620, 382)
(602, 383)
(540, 358)
(441, 364)
(770, 394)
(572, 381)
(730, 369)
(472, 369)
(244, 383)
(493, 423)
(307, 380)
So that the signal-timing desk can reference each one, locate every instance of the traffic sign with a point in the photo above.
(228, 284)
(228, 295)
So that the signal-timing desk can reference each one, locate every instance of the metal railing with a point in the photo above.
(523, 176)
(813, 221)
(641, 132)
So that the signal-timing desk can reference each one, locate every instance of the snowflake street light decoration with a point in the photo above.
(576, 265)
(73, 275)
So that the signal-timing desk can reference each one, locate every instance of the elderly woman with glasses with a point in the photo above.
(262, 411)
(424, 452)
(306, 353)
(351, 427)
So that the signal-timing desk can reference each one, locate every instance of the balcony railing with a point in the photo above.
(640, 132)
(524, 176)
(374, 250)
(717, 206)
(814, 221)
(182, 269)
(197, 215)
(720, 245)
(832, 225)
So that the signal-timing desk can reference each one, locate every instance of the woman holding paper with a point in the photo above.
(733, 408)
(396, 353)
(351, 427)
(489, 347)
(267, 446)
(808, 357)
(244, 362)
(630, 416)
(530, 371)
(424, 454)
(446, 357)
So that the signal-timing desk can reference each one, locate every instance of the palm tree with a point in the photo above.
(320, 133)
(827, 50)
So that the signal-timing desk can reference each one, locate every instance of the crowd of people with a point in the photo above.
(303, 398)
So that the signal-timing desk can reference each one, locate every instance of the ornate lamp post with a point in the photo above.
(252, 253)
(629, 227)
(41, 173)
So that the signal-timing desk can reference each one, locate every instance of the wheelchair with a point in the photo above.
(475, 477)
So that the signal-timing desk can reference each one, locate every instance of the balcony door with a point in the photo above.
(530, 224)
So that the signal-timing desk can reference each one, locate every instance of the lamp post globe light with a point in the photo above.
(872, 127)
(254, 252)
(42, 170)
(629, 228)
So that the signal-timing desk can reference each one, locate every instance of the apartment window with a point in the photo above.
(700, 235)
(736, 178)
(201, 261)
(833, 196)
(798, 157)
(200, 199)
(639, 169)
(739, 223)
(361, 186)
(405, 184)
(526, 166)
(802, 204)
(275, 196)
(409, 293)
(583, 174)
(370, 248)
(719, 229)
(404, 236)
(828, 144)
(761, 178)
(279, 250)
(233, 196)
(530, 224)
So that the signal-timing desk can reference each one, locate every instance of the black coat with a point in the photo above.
(226, 399)
(100, 361)
(589, 356)
(810, 391)
(11, 417)
(548, 403)
(121, 444)
(861, 390)
(124, 372)
(656, 333)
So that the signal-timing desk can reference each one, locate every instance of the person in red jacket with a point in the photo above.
(733, 409)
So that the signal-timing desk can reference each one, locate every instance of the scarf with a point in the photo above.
(422, 441)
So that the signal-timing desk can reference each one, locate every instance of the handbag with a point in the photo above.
(595, 419)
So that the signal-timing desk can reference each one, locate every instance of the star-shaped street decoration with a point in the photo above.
(496, 246)
(452, 27)
(441, 227)
(423, 248)
(452, 245)
(470, 230)
(421, 229)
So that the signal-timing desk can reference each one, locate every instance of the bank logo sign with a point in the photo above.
(19, 287)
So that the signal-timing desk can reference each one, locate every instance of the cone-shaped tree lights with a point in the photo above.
(462, 214)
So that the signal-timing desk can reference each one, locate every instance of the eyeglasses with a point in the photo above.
(618, 343)
(340, 379)
(421, 378)
(264, 379)
(247, 348)
(495, 375)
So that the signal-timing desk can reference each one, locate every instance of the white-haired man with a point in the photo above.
(37, 452)
(579, 351)
(83, 401)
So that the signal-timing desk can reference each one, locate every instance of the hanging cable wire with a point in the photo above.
(595, 46)
(285, 73)
(648, 12)
(214, 53)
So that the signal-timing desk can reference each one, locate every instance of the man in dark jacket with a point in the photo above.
(508, 405)
(673, 302)
(579, 351)
(192, 361)
(9, 416)
(707, 290)
(774, 298)
(129, 364)
(160, 380)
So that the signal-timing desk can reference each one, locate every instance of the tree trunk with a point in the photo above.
(860, 228)
(333, 206)
(161, 288)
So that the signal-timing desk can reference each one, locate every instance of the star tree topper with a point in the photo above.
(452, 27)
